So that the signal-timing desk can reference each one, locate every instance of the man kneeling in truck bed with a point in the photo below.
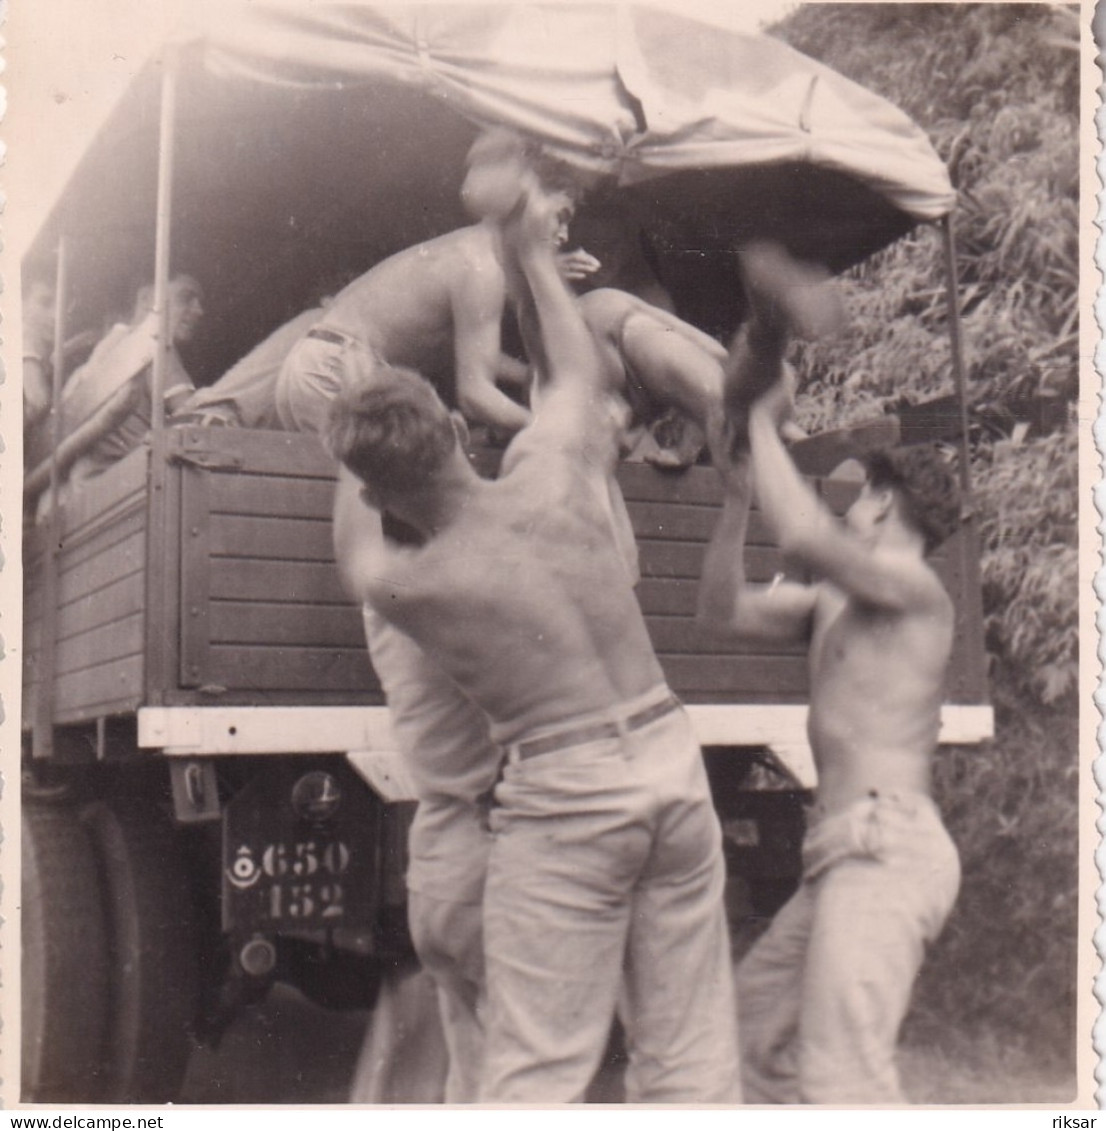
(607, 846)
(824, 991)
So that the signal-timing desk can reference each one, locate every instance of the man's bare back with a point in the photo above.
(524, 599)
(606, 843)
(403, 307)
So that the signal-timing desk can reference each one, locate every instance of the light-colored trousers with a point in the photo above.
(822, 994)
(446, 741)
(313, 374)
(606, 863)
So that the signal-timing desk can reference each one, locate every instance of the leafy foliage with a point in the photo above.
(1005, 964)
(996, 88)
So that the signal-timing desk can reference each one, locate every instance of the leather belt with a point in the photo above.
(591, 732)
(325, 335)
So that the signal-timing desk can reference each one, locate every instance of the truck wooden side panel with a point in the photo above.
(101, 598)
(253, 612)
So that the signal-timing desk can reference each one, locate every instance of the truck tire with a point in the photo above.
(153, 952)
(64, 960)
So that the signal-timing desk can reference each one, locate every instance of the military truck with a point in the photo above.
(212, 799)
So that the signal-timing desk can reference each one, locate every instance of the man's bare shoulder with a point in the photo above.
(901, 584)
(918, 574)
(537, 453)
(387, 570)
(460, 247)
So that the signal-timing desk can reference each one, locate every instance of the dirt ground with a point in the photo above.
(286, 1050)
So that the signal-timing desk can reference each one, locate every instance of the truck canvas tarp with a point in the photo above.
(184, 623)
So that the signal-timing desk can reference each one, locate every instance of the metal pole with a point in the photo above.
(162, 237)
(61, 286)
(42, 734)
(970, 580)
(952, 298)
(155, 662)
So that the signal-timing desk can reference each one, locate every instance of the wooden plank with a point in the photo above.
(86, 693)
(103, 541)
(194, 607)
(114, 602)
(667, 596)
(699, 485)
(738, 679)
(246, 579)
(120, 560)
(286, 537)
(966, 681)
(679, 595)
(99, 499)
(209, 696)
(164, 628)
(681, 635)
(103, 644)
(671, 559)
(90, 538)
(271, 495)
(291, 669)
(688, 523)
(254, 622)
(107, 588)
(685, 559)
(255, 450)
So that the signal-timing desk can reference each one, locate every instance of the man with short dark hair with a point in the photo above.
(822, 994)
(606, 869)
(437, 306)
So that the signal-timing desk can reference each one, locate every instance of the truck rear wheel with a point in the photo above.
(64, 961)
(153, 952)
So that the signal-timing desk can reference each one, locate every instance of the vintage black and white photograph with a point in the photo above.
(557, 554)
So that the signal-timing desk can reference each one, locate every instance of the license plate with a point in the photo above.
(282, 871)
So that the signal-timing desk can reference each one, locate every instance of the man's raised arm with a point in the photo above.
(477, 312)
(729, 608)
(807, 530)
(573, 397)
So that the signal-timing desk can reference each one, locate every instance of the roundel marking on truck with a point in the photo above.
(244, 872)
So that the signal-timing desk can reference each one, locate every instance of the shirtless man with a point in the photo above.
(436, 307)
(822, 994)
(606, 861)
(656, 360)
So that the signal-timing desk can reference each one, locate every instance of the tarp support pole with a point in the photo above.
(42, 732)
(956, 337)
(162, 238)
(157, 667)
(970, 597)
